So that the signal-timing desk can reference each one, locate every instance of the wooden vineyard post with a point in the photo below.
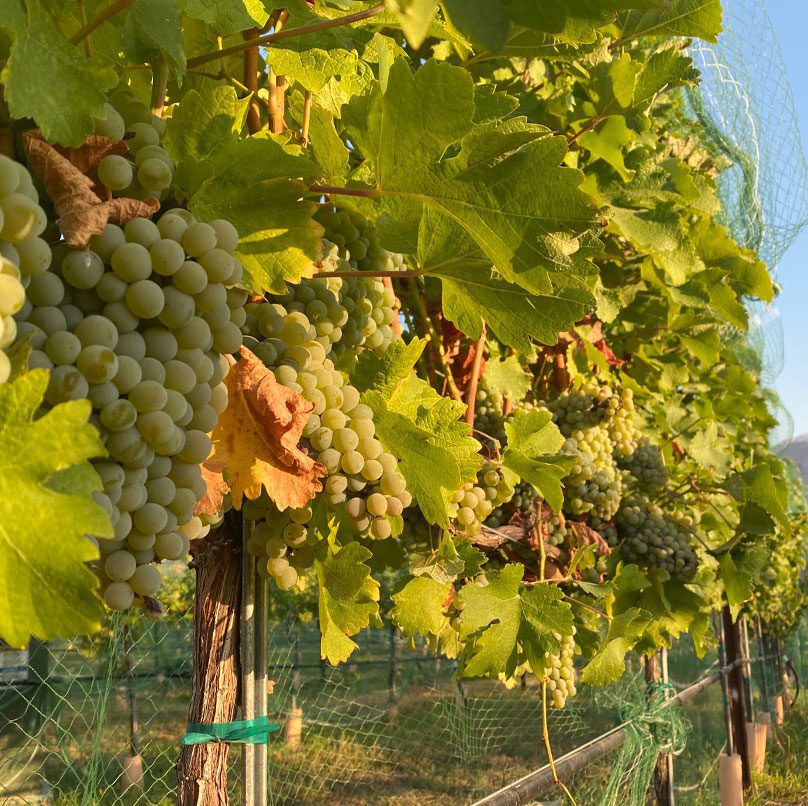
(253, 638)
(202, 768)
(662, 772)
(734, 657)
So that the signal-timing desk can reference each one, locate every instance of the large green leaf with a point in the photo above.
(255, 183)
(153, 30)
(46, 514)
(349, 596)
(48, 79)
(498, 620)
(504, 186)
(422, 429)
(532, 453)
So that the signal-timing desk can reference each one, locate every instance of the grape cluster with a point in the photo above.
(474, 503)
(488, 413)
(647, 465)
(594, 484)
(556, 529)
(652, 537)
(23, 253)
(340, 432)
(560, 675)
(357, 241)
(138, 325)
(282, 539)
(523, 501)
(146, 169)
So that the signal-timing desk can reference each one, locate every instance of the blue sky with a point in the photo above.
(789, 18)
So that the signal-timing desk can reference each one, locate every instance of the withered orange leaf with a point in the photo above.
(213, 500)
(82, 212)
(256, 438)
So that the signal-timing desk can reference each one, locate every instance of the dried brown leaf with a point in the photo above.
(256, 438)
(75, 195)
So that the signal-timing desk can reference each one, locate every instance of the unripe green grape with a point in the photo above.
(131, 262)
(287, 580)
(36, 360)
(370, 448)
(150, 518)
(161, 491)
(143, 231)
(152, 370)
(204, 419)
(393, 483)
(218, 398)
(295, 534)
(160, 344)
(183, 504)
(119, 566)
(277, 565)
(167, 257)
(119, 595)
(376, 504)
(121, 316)
(115, 172)
(61, 347)
(179, 308)
(97, 363)
(321, 439)
(111, 125)
(66, 383)
(154, 173)
(119, 415)
(179, 376)
(352, 462)
(155, 426)
(48, 319)
(330, 459)
(372, 470)
(346, 440)
(380, 528)
(226, 234)
(82, 269)
(146, 580)
(333, 419)
(190, 278)
(145, 299)
(197, 447)
(144, 135)
(198, 239)
(335, 485)
(110, 288)
(228, 339)
(133, 496)
(217, 264)
(45, 289)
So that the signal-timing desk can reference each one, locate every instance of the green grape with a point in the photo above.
(197, 447)
(148, 396)
(97, 363)
(21, 218)
(145, 299)
(129, 374)
(190, 278)
(105, 244)
(352, 462)
(160, 344)
(346, 440)
(45, 289)
(169, 546)
(144, 135)
(131, 262)
(167, 256)
(199, 238)
(111, 125)
(143, 231)
(119, 595)
(154, 173)
(62, 347)
(66, 383)
(82, 269)
(102, 394)
(115, 172)
(146, 580)
(110, 288)
(48, 319)
(179, 308)
(97, 330)
(155, 426)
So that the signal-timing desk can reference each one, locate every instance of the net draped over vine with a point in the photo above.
(744, 99)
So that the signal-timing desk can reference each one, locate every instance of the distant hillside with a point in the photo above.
(798, 451)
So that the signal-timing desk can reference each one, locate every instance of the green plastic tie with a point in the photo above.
(243, 731)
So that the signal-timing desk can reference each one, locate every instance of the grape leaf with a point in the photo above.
(44, 69)
(496, 621)
(256, 438)
(507, 377)
(153, 30)
(422, 429)
(609, 662)
(420, 606)
(254, 183)
(46, 587)
(504, 186)
(608, 142)
(414, 16)
(349, 596)
(200, 126)
(533, 444)
(701, 18)
(227, 16)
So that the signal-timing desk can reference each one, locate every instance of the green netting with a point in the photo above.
(393, 726)
(745, 101)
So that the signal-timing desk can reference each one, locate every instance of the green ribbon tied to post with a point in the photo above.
(243, 731)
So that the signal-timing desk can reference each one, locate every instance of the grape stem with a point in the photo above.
(100, 18)
(277, 36)
(572, 600)
(159, 86)
(546, 736)
(471, 392)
